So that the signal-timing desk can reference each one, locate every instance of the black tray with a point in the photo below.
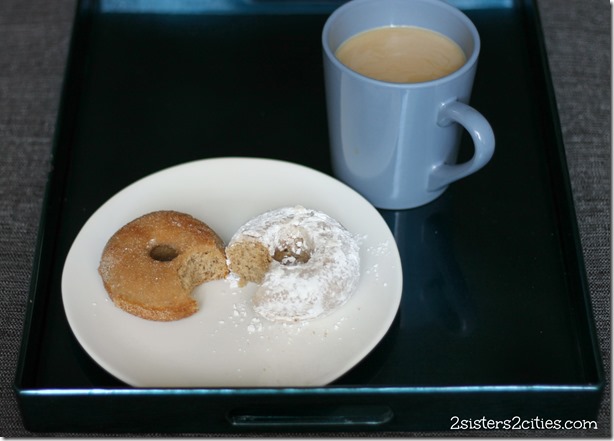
(495, 319)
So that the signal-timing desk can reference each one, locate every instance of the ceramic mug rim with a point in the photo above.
(469, 64)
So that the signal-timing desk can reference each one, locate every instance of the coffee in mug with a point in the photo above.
(401, 54)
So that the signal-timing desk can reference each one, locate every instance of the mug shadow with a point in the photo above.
(435, 293)
(432, 276)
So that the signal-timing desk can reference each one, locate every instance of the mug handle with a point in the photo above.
(483, 140)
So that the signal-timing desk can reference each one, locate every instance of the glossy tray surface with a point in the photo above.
(495, 303)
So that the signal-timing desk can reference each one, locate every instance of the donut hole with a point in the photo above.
(292, 251)
(163, 253)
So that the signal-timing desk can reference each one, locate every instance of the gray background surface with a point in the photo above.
(34, 38)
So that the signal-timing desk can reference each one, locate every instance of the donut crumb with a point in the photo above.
(250, 260)
(202, 267)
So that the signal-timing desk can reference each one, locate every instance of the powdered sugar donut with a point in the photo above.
(307, 263)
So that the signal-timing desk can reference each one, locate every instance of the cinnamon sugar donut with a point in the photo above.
(151, 265)
(307, 263)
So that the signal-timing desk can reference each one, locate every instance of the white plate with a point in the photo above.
(225, 344)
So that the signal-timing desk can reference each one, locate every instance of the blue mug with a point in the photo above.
(397, 143)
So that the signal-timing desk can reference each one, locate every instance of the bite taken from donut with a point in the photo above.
(151, 265)
(306, 263)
